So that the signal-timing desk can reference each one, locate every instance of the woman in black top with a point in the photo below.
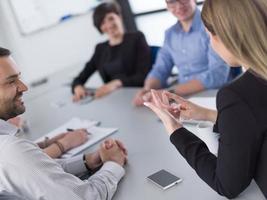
(123, 60)
(238, 33)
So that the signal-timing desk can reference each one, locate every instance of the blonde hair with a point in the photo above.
(242, 27)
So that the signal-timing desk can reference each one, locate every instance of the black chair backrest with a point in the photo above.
(154, 51)
(235, 72)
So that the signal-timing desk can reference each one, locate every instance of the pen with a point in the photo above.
(71, 130)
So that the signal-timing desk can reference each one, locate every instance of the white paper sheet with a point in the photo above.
(74, 123)
(97, 133)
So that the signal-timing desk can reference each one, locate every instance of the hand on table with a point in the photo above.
(79, 93)
(113, 150)
(93, 160)
(141, 96)
(108, 88)
(73, 138)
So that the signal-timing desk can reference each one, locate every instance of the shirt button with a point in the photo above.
(183, 50)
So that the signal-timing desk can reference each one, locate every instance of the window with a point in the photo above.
(153, 18)
(154, 26)
(141, 6)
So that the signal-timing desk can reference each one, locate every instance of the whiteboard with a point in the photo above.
(35, 15)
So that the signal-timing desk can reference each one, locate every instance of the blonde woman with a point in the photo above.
(238, 33)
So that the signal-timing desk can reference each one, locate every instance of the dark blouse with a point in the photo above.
(129, 61)
(242, 153)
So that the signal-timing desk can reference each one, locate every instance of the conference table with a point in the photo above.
(140, 130)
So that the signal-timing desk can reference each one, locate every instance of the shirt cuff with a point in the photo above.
(75, 165)
(117, 170)
(154, 75)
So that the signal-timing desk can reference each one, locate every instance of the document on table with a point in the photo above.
(97, 133)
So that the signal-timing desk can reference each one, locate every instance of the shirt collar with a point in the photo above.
(196, 23)
(7, 129)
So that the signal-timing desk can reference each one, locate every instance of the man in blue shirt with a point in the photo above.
(186, 47)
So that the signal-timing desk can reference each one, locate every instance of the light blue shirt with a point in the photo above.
(192, 54)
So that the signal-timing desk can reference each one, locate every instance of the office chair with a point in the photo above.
(154, 51)
(235, 72)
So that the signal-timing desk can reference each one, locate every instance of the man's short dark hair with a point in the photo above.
(102, 10)
(4, 52)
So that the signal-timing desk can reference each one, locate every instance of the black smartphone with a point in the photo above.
(164, 179)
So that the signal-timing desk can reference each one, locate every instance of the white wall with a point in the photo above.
(46, 52)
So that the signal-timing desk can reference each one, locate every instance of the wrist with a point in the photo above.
(86, 163)
(118, 161)
(78, 88)
(174, 128)
(44, 143)
(117, 83)
(64, 144)
(146, 88)
(60, 147)
(210, 115)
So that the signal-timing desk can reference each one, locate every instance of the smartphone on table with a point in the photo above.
(164, 179)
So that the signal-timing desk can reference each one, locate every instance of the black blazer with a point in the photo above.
(242, 154)
(129, 61)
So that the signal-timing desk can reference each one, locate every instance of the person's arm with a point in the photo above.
(191, 87)
(218, 71)
(9, 196)
(35, 175)
(74, 165)
(89, 69)
(157, 77)
(104, 181)
(233, 170)
(211, 115)
(152, 83)
(162, 68)
(142, 63)
(53, 151)
(144, 94)
(63, 142)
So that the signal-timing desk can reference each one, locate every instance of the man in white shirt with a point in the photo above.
(28, 173)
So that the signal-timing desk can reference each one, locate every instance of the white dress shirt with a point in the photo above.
(25, 171)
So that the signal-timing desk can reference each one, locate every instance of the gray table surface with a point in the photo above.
(145, 137)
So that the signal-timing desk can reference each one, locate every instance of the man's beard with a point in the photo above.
(14, 109)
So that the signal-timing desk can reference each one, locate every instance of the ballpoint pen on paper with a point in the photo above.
(71, 130)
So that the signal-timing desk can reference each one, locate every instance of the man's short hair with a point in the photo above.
(4, 52)
(102, 10)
